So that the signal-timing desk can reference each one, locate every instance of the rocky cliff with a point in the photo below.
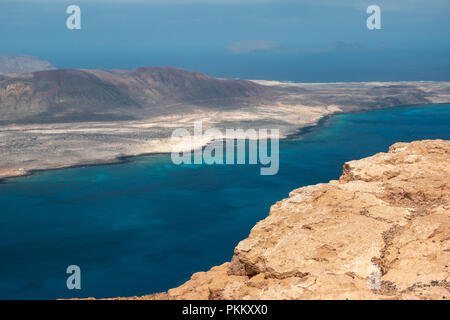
(382, 231)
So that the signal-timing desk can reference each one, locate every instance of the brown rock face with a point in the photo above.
(382, 231)
(92, 95)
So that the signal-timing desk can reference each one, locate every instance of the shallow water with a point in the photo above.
(145, 226)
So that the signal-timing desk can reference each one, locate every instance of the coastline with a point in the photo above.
(399, 237)
(129, 158)
(322, 121)
(304, 162)
(294, 109)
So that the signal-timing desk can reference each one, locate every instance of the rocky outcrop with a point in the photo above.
(382, 231)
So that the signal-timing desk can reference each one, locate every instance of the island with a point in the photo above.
(63, 118)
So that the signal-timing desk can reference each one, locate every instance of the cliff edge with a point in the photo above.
(382, 231)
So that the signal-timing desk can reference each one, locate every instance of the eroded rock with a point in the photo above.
(382, 231)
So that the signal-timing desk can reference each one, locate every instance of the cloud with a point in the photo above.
(247, 46)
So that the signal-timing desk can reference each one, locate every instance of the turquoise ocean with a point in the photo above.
(146, 225)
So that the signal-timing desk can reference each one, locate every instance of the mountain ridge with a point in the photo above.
(84, 94)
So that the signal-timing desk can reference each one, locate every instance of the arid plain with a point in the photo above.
(62, 118)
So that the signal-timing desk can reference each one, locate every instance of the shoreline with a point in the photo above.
(375, 228)
(322, 121)
(301, 131)
(129, 158)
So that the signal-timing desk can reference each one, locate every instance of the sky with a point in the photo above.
(292, 40)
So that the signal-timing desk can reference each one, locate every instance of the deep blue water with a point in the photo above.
(146, 226)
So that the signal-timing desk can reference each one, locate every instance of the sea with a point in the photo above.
(146, 225)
